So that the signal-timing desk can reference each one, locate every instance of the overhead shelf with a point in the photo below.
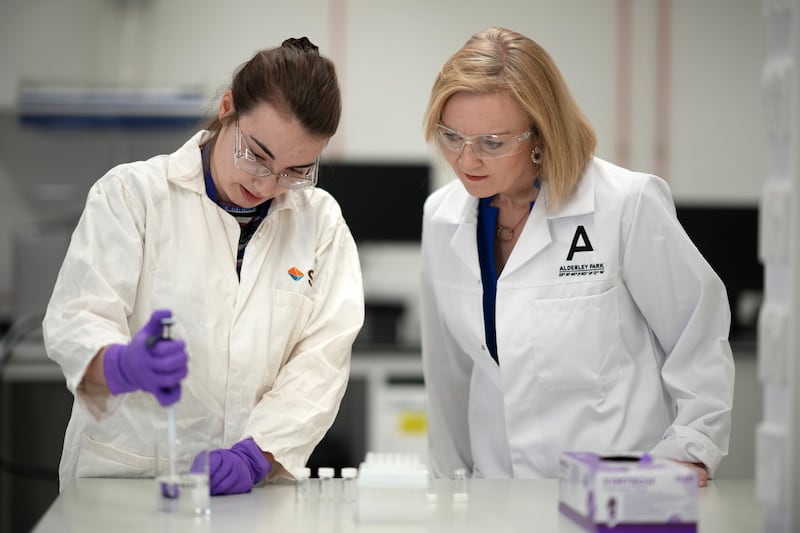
(60, 106)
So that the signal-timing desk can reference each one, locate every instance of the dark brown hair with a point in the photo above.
(294, 78)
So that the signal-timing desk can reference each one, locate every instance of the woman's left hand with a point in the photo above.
(702, 473)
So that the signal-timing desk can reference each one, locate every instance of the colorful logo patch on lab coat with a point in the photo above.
(296, 274)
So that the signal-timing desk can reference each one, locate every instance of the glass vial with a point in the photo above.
(460, 485)
(349, 486)
(325, 475)
(302, 483)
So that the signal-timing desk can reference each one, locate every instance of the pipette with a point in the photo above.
(170, 488)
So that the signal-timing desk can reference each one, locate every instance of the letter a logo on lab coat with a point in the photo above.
(586, 246)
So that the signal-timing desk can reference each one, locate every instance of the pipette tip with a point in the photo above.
(169, 490)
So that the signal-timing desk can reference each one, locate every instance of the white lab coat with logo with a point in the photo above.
(622, 347)
(269, 356)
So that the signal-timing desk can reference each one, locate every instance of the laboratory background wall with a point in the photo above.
(671, 86)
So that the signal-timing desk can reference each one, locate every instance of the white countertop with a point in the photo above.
(494, 506)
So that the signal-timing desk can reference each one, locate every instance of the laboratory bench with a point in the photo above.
(382, 410)
(385, 386)
(130, 505)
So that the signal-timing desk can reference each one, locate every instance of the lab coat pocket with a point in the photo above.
(576, 341)
(291, 314)
(96, 459)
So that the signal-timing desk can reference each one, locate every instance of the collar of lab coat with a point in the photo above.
(536, 235)
(185, 169)
(462, 210)
(582, 199)
(185, 166)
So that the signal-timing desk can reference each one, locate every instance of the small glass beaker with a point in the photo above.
(182, 484)
(460, 485)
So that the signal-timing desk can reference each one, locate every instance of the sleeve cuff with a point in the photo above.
(685, 444)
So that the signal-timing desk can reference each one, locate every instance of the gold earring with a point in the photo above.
(536, 155)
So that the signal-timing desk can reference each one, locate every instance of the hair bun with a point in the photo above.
(301, 44)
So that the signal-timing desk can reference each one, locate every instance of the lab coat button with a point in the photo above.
(483, 348)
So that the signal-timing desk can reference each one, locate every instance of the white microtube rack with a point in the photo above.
(392, 487)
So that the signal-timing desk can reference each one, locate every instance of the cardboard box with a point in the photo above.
(627, 493)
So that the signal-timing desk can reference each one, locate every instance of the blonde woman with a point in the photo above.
(564, 307)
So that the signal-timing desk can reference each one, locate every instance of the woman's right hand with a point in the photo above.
(149, 362)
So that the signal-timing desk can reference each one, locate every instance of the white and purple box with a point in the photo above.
(627, 493)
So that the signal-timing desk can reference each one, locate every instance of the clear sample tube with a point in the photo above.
(460, 485)
(325, 475)
(349, 488)
(302, 483)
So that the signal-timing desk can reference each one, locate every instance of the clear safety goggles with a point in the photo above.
(244, 159)
(485, 146)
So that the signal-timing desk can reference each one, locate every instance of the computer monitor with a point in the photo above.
(381, 201)
(727, 236)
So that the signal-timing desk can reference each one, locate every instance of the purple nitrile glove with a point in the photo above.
(236, 470)
(148, 362)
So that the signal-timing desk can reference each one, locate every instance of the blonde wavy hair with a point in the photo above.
(497, 60)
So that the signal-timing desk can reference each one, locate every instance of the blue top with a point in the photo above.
(248, 217)
(487, 222)
(487, 229)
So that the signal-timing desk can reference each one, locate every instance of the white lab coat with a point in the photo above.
(269, 356)
(620, 348)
